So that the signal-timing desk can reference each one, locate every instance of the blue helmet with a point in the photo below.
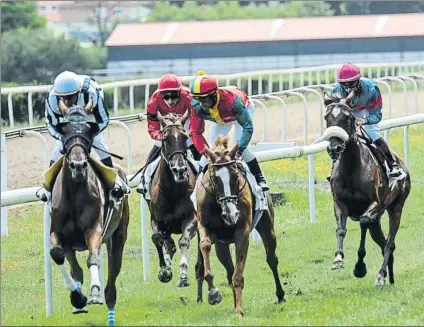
(66, 83)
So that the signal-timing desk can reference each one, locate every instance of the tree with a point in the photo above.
(17, 14)
(39, 55)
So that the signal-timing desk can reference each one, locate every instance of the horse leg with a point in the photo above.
(77, 275)
(378, 236)
(165, 273)
(57, 253)
(370, 216)
(170, 250)
(265, 228)
(224, 256)
(360, 267)
(340, 212)
(199, 269)
(395, 214)
(189, 230)
(93, 240)
(214, 296)
(242, 245)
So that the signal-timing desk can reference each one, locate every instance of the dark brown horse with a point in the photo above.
(171, 209)
(225, 206)
(362, 190)
(79, 216)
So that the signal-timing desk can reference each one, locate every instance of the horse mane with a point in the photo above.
(221, 142)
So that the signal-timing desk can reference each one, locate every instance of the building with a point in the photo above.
(230, 46)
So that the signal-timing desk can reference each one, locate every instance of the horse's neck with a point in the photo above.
(352, 157)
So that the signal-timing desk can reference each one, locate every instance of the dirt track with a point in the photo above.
(25, 156)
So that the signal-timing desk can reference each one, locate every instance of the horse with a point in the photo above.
(171, 209)
(81, 216)
(362, 190)
(225, 205)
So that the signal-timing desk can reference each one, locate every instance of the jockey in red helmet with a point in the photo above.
(366, 106)
(224, 107)
(170, 97)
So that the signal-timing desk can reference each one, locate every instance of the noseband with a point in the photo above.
(229, 198)
(351, 130)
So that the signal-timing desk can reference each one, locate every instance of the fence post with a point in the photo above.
(3, 183)
(144, 239)
(10, 108)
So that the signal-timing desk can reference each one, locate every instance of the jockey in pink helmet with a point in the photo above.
(366, 106)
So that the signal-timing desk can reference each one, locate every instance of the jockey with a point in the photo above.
(75, 89)
(366, 106)
(170, 97)
(224, 107)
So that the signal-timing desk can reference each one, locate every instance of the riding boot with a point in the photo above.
(42, 193)
(396, 172)
(196, 154)
(153, 155)
(120, 188)
(257, 172)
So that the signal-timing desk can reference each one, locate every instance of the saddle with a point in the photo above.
(376, 152)
(106, 174)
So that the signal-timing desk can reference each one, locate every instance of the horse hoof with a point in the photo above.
(239, 313)
(95, 297)
(183, 282)
(280, 298)
(78, 300)
(199, 300)
(360, 270)
(165, 275)
(337, 265)
(214, 296)
(76, 311)
(381, 281)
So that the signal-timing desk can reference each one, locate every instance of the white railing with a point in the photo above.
(27, 195)
(323, 74)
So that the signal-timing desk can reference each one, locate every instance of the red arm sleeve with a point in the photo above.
(153, 125)
(197, 127)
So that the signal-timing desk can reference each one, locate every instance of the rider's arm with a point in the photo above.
(375, 103)
(338, 92)
(197, 127)
(153, 125)
(52, 118)
(100, 112)
(243, 118)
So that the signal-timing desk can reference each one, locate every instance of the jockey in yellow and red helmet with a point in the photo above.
(366, 106)
(224, 107)
(171, 96)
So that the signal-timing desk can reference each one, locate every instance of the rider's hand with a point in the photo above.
(360, 121)
(343, 101)
(238, 155)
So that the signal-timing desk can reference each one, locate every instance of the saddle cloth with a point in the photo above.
(107, 174)
(261, 200)
(151, 168)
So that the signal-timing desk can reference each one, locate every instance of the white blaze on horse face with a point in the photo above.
(224, 175)
(336, 111)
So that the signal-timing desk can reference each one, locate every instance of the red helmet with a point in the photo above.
(203, 85)
(348, 73)
(170, 82)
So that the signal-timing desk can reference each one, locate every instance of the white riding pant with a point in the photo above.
(224, 129)
(98, 141)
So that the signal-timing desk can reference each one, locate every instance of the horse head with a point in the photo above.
(340, 125)
(174, 148)
(78, 135)
(224, 178)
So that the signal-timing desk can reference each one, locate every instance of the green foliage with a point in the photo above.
(39, 55)
(17, 14)
(191, 11)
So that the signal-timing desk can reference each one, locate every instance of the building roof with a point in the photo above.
(260, 30)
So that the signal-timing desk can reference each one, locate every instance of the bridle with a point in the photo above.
(165, 155)
(229, 198)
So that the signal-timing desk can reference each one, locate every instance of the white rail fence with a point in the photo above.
(27, 195)
(323, 74)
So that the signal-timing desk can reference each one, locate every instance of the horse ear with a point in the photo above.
(62, 127)
(209, 153)
(233, 151)
(159, 115)
(94, 128)
(184, 117)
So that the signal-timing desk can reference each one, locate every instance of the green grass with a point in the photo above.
(315, 295)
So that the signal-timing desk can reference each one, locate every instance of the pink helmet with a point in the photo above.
(348, 73)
